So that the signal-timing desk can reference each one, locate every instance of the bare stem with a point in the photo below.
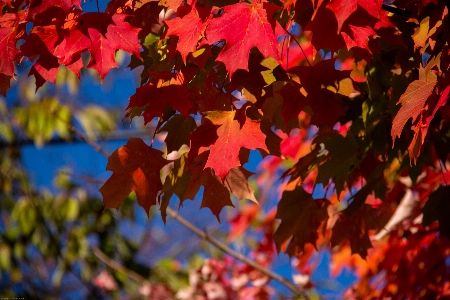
(82, 136)
(118, 267)
(301, 48)
(204, 235)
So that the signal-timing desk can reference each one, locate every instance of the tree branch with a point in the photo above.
(84, 137)
(204, 235)
(301, 48)
(118, 267)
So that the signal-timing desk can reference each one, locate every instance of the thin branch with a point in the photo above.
(82, 136)
(85, 178)
(210, 239)
(301, 48)
(204, 235)
(118, 267)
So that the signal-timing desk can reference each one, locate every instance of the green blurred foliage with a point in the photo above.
(47, 238)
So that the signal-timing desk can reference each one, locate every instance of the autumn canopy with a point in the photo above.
(345, 100)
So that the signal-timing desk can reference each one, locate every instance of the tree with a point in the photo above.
(346, 102)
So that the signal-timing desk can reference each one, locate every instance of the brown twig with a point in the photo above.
(85, 178)
(301, 48)
(82, 136)
(204, 235)
(118, 267)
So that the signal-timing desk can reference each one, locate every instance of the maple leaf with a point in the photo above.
(136, 167)
(300, 217)
(172, 4)
(421, 128)
(422, 35)
(215, 195)
(311, 91)
(123, 35)
(251, 80)
(224, 153)
(360, 38)
(354, 228)
(201, 139)
(42, 41)
(176, 183)
(324, 24)
(342, 10)
(343, 154)
(242, 26)
(102, 54)
(413, 100)
(237, 183)
(188, 30)
(165, 87)
(107, 37)
(178, 128)
(8, 50)
(71, 47)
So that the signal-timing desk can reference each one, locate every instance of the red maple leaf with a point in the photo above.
(342, 10)
(123, 35)
(74, 43)
(360, 37)
(427, 114)
(224, 153)
(242, 26)
(120, 35)
(413, 100)
(136, 167)
(8, 31)
(187, 29)
(42, 42)
(102, 53)
(8, 47)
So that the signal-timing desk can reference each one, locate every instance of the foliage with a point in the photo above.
(345, 100)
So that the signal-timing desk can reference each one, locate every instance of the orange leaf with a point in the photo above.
(136, 167)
